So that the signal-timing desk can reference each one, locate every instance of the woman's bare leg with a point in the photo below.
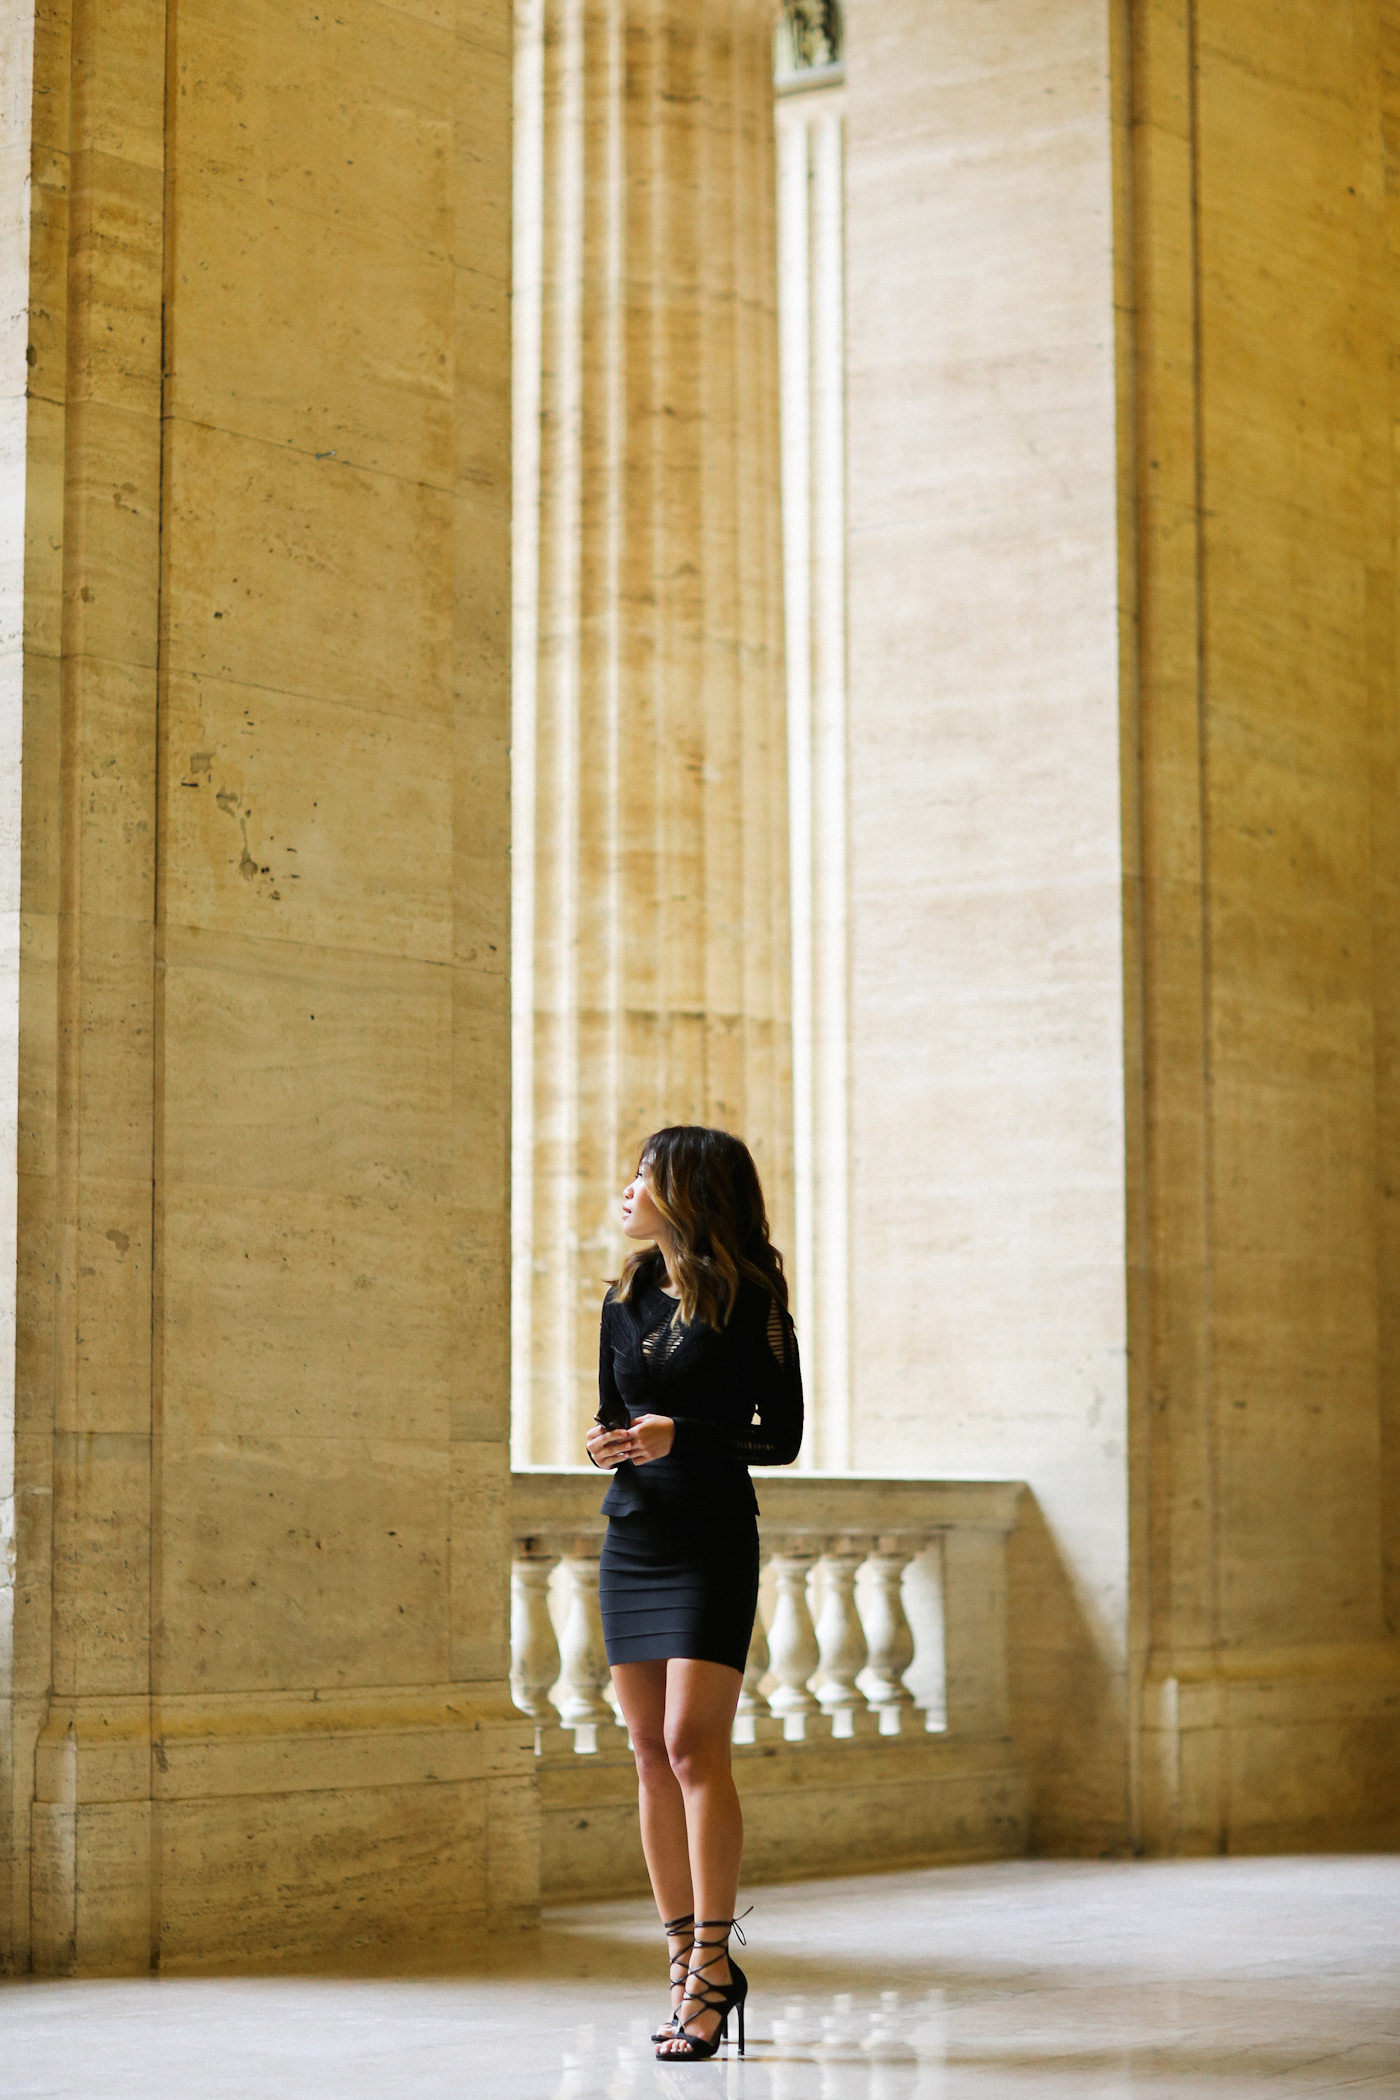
(641, 1693)
(701, 1700)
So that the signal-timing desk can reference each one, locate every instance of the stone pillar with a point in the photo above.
(810, 84)
(650, 845)
(260, 1359)
(91, 711)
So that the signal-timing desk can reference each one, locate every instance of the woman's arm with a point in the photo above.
(772, 1386)
(612, 1412)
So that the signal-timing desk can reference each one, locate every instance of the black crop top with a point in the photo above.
(733, 1392)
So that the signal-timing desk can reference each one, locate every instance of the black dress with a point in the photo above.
(679, 1570)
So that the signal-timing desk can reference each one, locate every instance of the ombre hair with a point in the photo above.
(706, 1187)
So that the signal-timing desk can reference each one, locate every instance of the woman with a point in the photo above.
(698, 1379)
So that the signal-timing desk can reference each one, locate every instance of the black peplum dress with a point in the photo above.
(679, 1570)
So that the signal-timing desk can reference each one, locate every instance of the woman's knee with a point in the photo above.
(697, 1755)
(653, 1760)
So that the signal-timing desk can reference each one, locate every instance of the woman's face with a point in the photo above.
(641, 1220)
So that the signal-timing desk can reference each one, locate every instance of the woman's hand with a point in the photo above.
(651, 1436)
(607, 1447)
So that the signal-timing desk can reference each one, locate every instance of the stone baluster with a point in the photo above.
(792, 1642)
(754, 1720)
(583, 1658)
(888, 1634)
(534, 1650)
(841, 1641)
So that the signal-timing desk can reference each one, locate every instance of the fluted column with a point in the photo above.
(650, 942)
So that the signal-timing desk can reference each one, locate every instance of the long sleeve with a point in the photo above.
(773, 1386)
(612, 1410)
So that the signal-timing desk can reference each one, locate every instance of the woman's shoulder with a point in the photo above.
(617, 1309)
(756, 1307)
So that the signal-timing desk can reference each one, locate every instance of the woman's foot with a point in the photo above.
(712, 1988)
(680, 1938)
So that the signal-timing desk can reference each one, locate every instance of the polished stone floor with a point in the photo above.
(1184, 1980)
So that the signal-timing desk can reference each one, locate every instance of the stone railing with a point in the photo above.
(910, 1629)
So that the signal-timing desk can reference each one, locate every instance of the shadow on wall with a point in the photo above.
(1068, 1705)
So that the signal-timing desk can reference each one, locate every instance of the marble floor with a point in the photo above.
(1183, 1980)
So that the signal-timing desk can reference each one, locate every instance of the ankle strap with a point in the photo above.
(675, 1925)
(729, 1925)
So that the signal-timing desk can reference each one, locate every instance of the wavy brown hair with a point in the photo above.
(706, 1187)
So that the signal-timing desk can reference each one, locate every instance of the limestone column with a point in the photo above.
(810, 83)
(650, 937)
(88, 981)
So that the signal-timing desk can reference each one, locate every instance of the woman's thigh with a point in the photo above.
(641, 1693)
(701, 1701)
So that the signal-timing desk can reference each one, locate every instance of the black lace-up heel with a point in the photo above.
(673, 1928)
(683, 2047)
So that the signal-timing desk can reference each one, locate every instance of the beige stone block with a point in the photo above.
(1302, 808)
(344, 1872)
(48, 282)
(306, 1316)
(43, 529)
(244, 360)
(513, 1849)
(111, 580)
(113, 733)
(809, 1808)
(1272, 1191)
(481, 651)
(480, 1561)
(1300, 59)
(1330, 1782)
(38, 1045)
(306, 821)
(91, 1897)
(481, 303)
(307, 576)
(481, 1112)
(122, 110)
(483, 31)
(101, 1562)
(302, 1559)
(110, 1305)
(116, 222)
(33, 1590)
(53, 73)
(290, 1069)
(41, 805)
(481, 1355)
(94, 1750)
(282, 1742)
(109, 1002)
(34, 1304)
(347, 116)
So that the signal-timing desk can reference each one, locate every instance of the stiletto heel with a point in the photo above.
(683, 2047)
(673, 1928)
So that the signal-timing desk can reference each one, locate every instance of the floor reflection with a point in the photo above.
(855, 2045)
(1027, 1980)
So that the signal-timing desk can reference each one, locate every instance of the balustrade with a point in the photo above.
(841, 1679)
(843, 1643)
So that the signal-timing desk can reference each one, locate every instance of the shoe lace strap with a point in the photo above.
(678, 1928)
(728, 1924)
(702, 1997)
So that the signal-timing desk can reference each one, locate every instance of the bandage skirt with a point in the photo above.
(673, 1584)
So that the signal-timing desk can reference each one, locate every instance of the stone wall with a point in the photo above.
(260, 1638)
(1121, 414)
(988, 1159)
(1263, 238)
